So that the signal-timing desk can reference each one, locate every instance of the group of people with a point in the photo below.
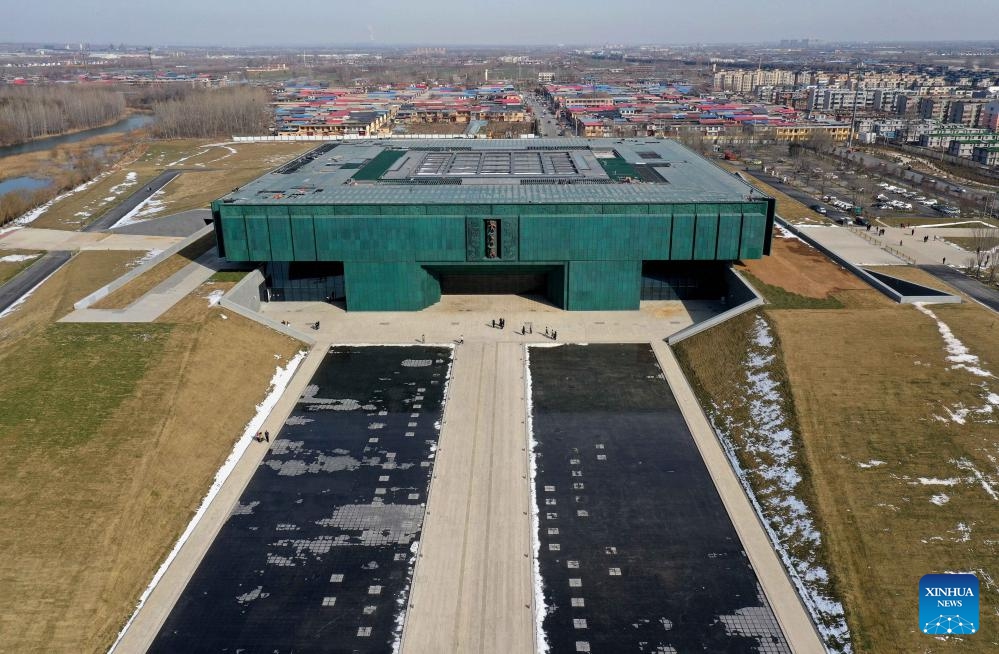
(499, 324)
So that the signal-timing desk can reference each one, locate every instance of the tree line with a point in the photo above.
(31, 112)
(202, 113)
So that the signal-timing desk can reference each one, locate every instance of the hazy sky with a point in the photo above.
(447, 22)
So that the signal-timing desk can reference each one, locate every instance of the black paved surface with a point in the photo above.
(118, 212)
(184, 223)
(987, 296)
(28, 278)
(637, 551)
(318, 554)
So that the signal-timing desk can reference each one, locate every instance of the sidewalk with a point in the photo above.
(473, 584)
(160, 299)
(33, 238)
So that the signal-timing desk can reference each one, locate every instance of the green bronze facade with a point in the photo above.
(398, 251)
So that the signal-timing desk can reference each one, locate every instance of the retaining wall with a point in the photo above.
(244, 299)
(740, 291)
(113, 286)
(932, 296)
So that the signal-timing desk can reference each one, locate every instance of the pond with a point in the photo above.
(129, 124)
(22, 184)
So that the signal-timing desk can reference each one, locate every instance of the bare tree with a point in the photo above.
(214, 113)
(32, 112)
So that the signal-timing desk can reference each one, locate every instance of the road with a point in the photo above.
(547, 125)
(115, 214)
(30, 277)
(985, 295)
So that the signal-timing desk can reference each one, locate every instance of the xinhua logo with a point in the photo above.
(948, 604)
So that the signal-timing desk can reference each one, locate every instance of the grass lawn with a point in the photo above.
(229, 275)
(878, 407)
(14, 265)
(211, 170)
(111, 434)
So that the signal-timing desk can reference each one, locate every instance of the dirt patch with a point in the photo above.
(801, 269)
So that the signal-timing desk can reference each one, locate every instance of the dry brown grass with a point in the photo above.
(880, 526)
(210, 171)
(147, 281)
(116, 439)
(51, 162)
(870, 382)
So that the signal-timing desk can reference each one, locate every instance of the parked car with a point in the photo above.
(818, 208)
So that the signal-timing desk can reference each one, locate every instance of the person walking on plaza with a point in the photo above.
(267, 436)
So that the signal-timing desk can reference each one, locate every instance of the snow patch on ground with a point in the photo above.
(540, 608)
(933, 481)
(940, 499)
(146, 258)
(183, 159)
(768, 438)
(131, 179)
(987, 484)
(784, 232)
(957, 352)
(152, 206)
(961, 357)
(18, 258)
(141, 209)
(873, 463)
(215, 297)
(279, 382)
(21, 300)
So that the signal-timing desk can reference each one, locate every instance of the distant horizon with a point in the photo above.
(517, 23)
(362, 45)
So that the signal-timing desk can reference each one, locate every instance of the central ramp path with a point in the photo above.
(472, 589)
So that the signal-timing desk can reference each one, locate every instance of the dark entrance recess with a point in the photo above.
(305, 281)
(493, 284)
(500, 279)
(683, 280)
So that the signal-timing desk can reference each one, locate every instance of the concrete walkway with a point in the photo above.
(31, 238)
(473, 584)
(160, 299)
(791, 613)
(472, 589)
(470, 315)
(852, 247)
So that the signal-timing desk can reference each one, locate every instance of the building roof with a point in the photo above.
(565, 170)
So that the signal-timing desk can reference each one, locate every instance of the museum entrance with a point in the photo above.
(541, 282)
